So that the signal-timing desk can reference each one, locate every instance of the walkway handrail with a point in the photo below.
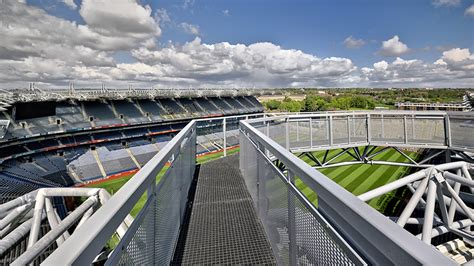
(375, 237)
(88, 240)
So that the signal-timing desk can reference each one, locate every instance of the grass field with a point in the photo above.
(359, 179)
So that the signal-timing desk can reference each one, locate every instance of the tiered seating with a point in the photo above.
(255, 103)
(150, 107)
(208, 106)
(246, 103)
(71, 116)
(102, 113)
(86, 166)
(235, 105)
(223, 105)
(191, 106)
(129, 111)
(144, 153)
(115, 161)
(172, 107)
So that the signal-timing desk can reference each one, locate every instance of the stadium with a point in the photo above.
(207, 177)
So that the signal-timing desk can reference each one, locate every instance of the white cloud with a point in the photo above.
(353, 43)
(454, 68)
(70, 4)
(162, 16)
(119, 18)
(259, 64)
(446, 2)
(32, 50)
(469, 11)
(393, 47)
(226, 12)
(190, 28)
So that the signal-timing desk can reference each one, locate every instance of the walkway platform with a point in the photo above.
(223, 227)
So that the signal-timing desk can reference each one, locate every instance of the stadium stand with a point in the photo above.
(89, 136)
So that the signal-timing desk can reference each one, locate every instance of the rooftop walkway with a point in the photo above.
(222, 227)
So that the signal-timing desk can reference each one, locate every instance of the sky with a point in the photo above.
(232, 44)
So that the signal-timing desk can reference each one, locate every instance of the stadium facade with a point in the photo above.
(194, 216)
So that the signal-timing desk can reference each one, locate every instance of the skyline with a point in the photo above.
(194, 43)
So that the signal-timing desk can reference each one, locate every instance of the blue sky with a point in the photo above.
(320, 27)
(419, 32)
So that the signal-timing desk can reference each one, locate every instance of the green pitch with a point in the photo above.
(361, 178)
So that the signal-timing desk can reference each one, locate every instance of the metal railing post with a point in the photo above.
(224, 127)
(297, 130)
(287, 134)
(293, 248)
(311, 132)
(405, 130)
(368, 125)
(331, 141)
(447, 131)
(348, 130)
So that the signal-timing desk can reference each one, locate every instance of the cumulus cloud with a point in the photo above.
(70, 4)
(162, 16)
(353, 43)
(454, 68)
(393, 47)
(469, 11)
(446, 2)
(122, 17)
(190, 28)
(32, 50)
(259, 63)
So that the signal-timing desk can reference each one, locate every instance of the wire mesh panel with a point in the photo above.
(273, 210)
(425, 130)
(299, 133)
(320, 131)
(141, 247)
(278, 131)
(385, 128)
(153, 235)
(340, 130)
(462, 128)
(316, 245)
(358, 128)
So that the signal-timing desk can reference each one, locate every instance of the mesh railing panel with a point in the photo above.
(156, 236)
(294, 232)
(387, 129)
(316, 245)
(320, 131)
(461, 132)
(140, 249)
(425, 130)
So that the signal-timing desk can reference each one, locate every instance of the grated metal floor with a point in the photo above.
(223, 227)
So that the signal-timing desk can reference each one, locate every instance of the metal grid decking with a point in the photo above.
(223, 227)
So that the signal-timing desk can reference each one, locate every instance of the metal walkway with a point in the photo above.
(223, 227)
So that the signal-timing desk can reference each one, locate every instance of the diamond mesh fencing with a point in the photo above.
(296, 234)
(425, 130)
(387, 128)
(461, 131)
(157, 225)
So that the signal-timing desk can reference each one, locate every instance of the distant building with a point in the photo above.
(432, 106)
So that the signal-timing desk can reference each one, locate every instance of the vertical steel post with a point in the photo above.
(287, 133)
(369, 134)
(224, 127)
(330, 131)
(405, 131)
(293, 248)
(297, 130)
(447, 131)
(383, 125)
(311, 132)
(348, 130)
